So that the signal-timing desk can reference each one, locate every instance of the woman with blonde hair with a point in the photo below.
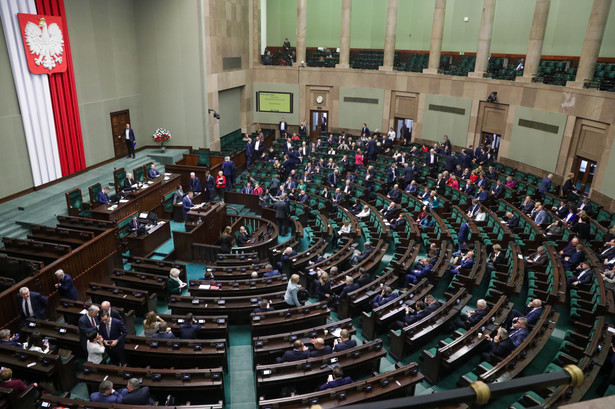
(152, 323)
(226, 240)
(290, 297)
(174, 284)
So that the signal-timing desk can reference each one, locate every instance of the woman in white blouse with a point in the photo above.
(36, 343)
(96, 349)
(364, 213)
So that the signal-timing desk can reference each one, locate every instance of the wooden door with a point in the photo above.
(584, 172)
(119, 120)
(319, 123)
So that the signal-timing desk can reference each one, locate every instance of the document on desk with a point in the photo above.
(168, 174)
(111, 208)
(124, 200)
(149, 182)
(204, 287)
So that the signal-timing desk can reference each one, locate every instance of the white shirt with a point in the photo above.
(29, 302)
(128, 133)
(481, 217)
(391, 135)
(95, 352)
(345, 229)
(364, 213)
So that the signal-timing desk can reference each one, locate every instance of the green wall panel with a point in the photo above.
(352, 115)
(414, 20)
(229, 103)
(324, 19)
(281, 22)
(458, 34)
(511, 35)
(368, 23)
(536, 147)
(437, 123)
(608, 182)
(566, 27)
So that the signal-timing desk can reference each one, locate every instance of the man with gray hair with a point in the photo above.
(136, 394)
(470, 318)
(5, 339)
(31, 305)
(65, 285)
(106, 394)
(105, 308)
(87, 323)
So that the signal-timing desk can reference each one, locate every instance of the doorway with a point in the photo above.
(584, 172)
(403, 130)
(319, 123)
(119, 120)
(493, 141)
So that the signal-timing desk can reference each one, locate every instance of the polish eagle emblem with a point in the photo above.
(46, 42)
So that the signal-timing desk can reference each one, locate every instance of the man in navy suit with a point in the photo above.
(136, 394)
(228, 170)
(365, 130)
(498, 189)
(334, 178)
(372, 149)
(336, 379)
(129, 138)
(466, 262)
(106, 394)
(31, 305)
(249, 152)
(512, 220)
(499, 347)
(533, 311)
(432, 159)
(134, 225)
(423, 309)
(344, 342)
(349, 287)
(319, 348)
(166, 334)
(187, 204)
(210, 186)
(385, 296)
(103, 196)
(113, 333)
(462, 237)
(298, 353)
(422, 269)
(87, 323)
(545, 186)
(585, 276)
(541, 216)
(153, 172)
(483, 195)
(395, 194)
(189, 329)
(519, 332)
(195, 183)
(5, 339)
(473, 209)
(398, 224)
(450, 163)
(282, 127)
(572, 262)
(471, 318)
(65, 285)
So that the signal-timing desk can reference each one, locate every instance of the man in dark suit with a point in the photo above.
(372, 149)
(195, 183)
(65, 285)
(349, 287)
(319, 348)
(498, 189)
(432, 159)
(465, 160)
(152, 172)
(130, 184)
(249, 152)
(344, 342)
(497, 258)
(395, 194)
(584, 277)
(398, 224)
(408, 174)
(422, 269)
(189, 329)
(365, 130)
(87, 323)
(512, 220)
(519, 332)
(134, 225)
(135, 394)
(539, 258)
(450, 163)
(298, 353)
(5, 339)
(113, 333)
(545, 186)
(103, 196)
(210, 186)
(471, 318)
(106, 394)
(105, 308)
(532, 313)
(336, 379)
(178, 195)
(473, 209)
(166, 334)
(462, 237)
(31, 305)
(498, 347)
(572, 262)
(129, 138)
(608, 251)
(187, 204)
(334, 178)
(483, 195)
(282, 214)
(385, 296)
(282, 128)
(228, 170)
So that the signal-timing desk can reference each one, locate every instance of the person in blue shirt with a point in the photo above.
(422, 269)
(103, 196)
(427, 222)
(466, 262)
(336, 379)
(152, 172)
(106, 394)
(187, 204)
(270, 271)
(167, 334)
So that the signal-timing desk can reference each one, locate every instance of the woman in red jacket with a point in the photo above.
(220, 184)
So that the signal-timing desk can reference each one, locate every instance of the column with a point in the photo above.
(484, 39)
(437, 29)
(389, 37)
(301, 29)
(592, 43)
(255, 20)
(537, 37)
(345, 35)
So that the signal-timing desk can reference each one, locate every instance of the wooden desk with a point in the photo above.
(141, 200)
(141, 302)
(72, 310)
(81, 404)
(63, 335)
(290, 319)
(178, 208)
(175, 353)
(213, 218)
(141, 246)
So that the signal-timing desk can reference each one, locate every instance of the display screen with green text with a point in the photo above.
(281, 102)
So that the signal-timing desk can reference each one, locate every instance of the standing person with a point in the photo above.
(95, 347)
(290, 297)
(195, 183)
(31, 304)
(282, 214)
(178, 196)
(174, 284)
(65, 285)
(282, 127)
(249, 151)
(303, 129)
(129, 138)
(187, 205)
(220, 185)
(228, 170)
(226, 240)
(210, 186)
(87, 323)
(113, 333)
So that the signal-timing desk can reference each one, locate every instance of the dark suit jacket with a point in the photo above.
(326, 350)
(395, 194)
(344, 345)
(514, 222)
(348, 289)
(500, 258)
(39, 305)
(281, 210)
(195, 184)
(542, 260)
(85, 326)
(67, 288)
(517, 336)
(283, 129)
(103, 198)
(118, 332)
(477, 316)
(335, 383)
(139, 396)
(290, 356)
(128, 183)
(585, 278)
(503, 348)
(189, 331)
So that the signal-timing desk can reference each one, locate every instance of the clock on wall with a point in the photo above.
(319, 99)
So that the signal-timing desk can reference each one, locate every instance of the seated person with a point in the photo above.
(532, 313)
(572, 262)
(103, 196)
(394, 194)
(390, 211)
(470, 318)
(512, 220)
(584, 277)
(152, 172)
(189, 329)
(106, 394)
(136, 394)
(349, 287)
(398, 224)
(499, 347)
(6, 339)
(336, 379)
(270, 271)
(412, 188)
(134, 226)
(129, 183)
(356, 208)
(385, 296)
(7, 381)
(364, 278)
(319, 348)
(570, 248)
(538, 258)
(319, 257)
(167, 333)
(358, 256)
(421, 310)
(427, 222)
(519, 332)
(344, 342)
(298, 353)
(421, 270)
(497, 258)
(247, 189)
(263, 306)
(465, 262)
(303, 198)
(364, 213)
(243, 237)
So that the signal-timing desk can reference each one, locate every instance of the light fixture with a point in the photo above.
(216, 115)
